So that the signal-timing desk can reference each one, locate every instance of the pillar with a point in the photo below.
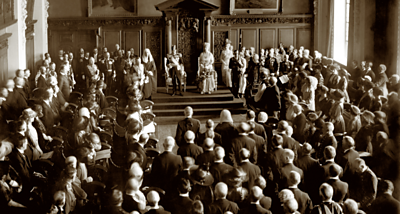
(41, 39)
(168, 32)
(208, 30)
(16, 43)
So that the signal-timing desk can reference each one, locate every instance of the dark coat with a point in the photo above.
(221, 206)
(202, 136)
(268, 130)
(189, 149)
(218, 170)
(184, 126)
(140, 151)
(181, 205)
(347, 158)
(206, 158)
(239, 142)
(255, 209)
(63, 84)
(22, 166)
(129, 204)
(299, 125)
(274, 161)
(290, 143)
(252, 172)
(326, 141)
(385, 203)
(260, 131)
(261, 146)
(303, 200)
(158, 211)
(340, 189)
(227, 131)
(48, 118)
(272, 99)
(325, 166)
(312, 172)
(285, 174)
(41, 82)
(365, 190)
(165, 166)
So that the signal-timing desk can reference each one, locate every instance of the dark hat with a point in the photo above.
(355, 110)
(200, 175)
(337, 95)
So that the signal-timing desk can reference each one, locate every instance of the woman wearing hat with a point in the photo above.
(28, 115)
(382, 79)
(354, 123)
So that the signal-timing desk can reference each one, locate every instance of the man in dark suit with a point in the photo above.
(329, 156)
(181, 204)
(42, 81)
(340, 188)
(221, 204)
(207, 157)
(260, 143)
(364, 191)
(20, 162)
(138, 148)
(49, 115)
(274, 159)
(63, 82)
(209, 133)
(189, 148)
(153, 198)
(219, 169)
(270, 99)
(235, 64)
(302, 198)
(327, 140)
(311, 169)
(252, 170)
(254, 205)
(349, 154)
(20, 92)
(242, 141)
(262, 119)
(299, 124)
(15, 103)
(185, 125)
(288, 142)
(166, 166)
(288, 157)
(258, 129)
(384, 202)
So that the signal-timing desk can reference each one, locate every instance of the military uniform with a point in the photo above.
(175, 65)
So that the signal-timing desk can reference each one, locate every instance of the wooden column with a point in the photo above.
(208, 30)
(168, 33)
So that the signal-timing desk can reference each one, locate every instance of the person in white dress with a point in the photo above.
(226, 55)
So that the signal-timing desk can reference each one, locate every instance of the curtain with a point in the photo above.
(330, 29)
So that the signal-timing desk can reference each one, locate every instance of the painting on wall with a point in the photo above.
(112, 8)
(253, 6)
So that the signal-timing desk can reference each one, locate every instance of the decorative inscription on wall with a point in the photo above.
(237, 20)
(104, 22)
(219, 42)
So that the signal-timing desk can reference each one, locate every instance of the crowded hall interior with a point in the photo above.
(199, 106)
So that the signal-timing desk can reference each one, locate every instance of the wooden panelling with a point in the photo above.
(133, 39)
(218, 43)
(152, 40)
(304, 38)
(71, 41)
(110, 38)
(3, 65)
(286, 36)
(268, 38)
(249, 38)
(30, 54)
(233, 36)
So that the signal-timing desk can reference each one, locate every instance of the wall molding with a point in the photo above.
(4, 40)
(85, 22)
(227, 20)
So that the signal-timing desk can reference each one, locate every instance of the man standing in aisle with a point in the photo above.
(175, 64)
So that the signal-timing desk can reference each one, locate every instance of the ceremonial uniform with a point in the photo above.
(175, 64)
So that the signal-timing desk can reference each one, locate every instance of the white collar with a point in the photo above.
(247, 160)
(21, 151)
(334, 178)
(219, 161)
(154, 208)
(257, 202)
(293, 186)
(243, 134)
(330, 160)
(186, 195)
(252, 132)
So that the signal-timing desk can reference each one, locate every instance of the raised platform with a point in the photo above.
(169, 109)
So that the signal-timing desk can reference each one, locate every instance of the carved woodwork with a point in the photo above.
(153, 44)
(8, 11)
(219, 42)
(148, 21)
(4, 44)
(187, 23)
(224, 20)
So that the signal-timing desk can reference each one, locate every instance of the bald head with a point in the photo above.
(188, 162)
(294, 178)
(290, 205)
(348, 142)
(359, 165)
(219, 153)
(288, 155)
(144, 138)
(326, 191)
(350, 206)
(132, 185)
(250, 115)
(329, 127)
(262, 117)
(257, 193)
(306, 149)
(329, 153)
(208, 144)
(153, 198)
(285, 194)
(169, 143)
(243, 127)
(221, 190)
(135, 171)
(188, 111)
(244, 154)
(209, 124)
(189, 136)
(71, 161)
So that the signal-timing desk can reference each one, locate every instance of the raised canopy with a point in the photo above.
(177, 4)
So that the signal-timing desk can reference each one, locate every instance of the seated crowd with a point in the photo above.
(318, 140)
